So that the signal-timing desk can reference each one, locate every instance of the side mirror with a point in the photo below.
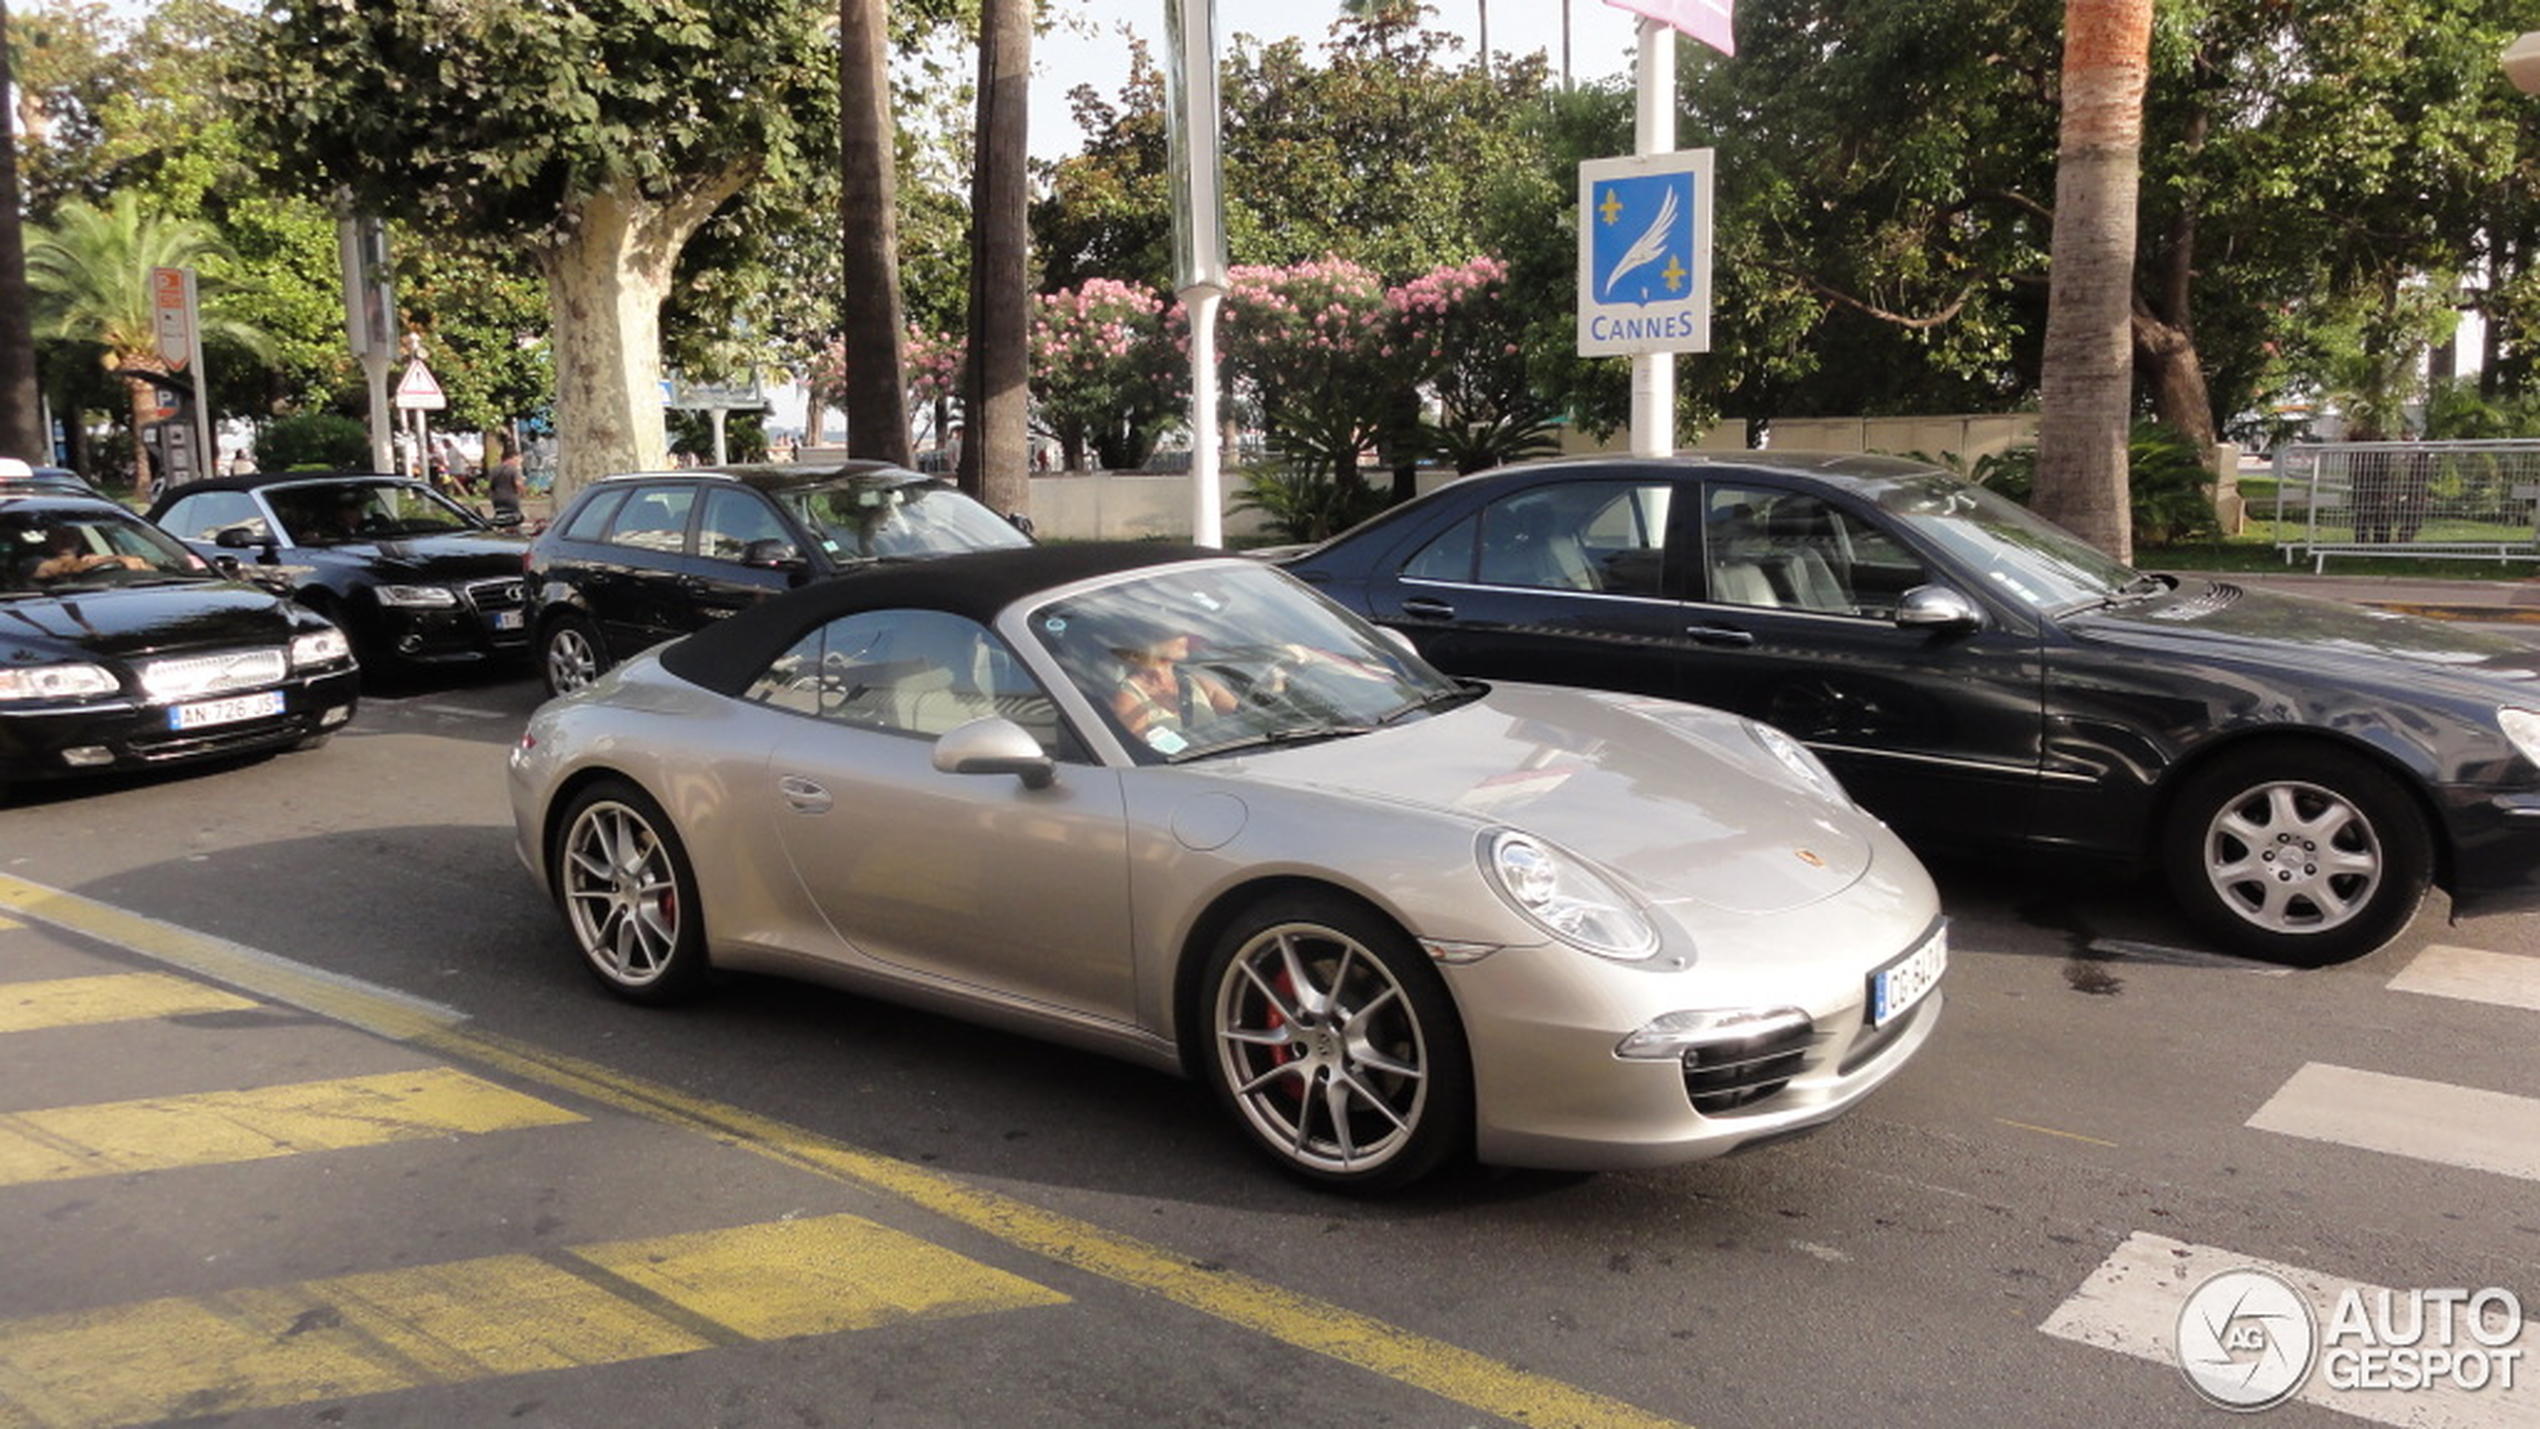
(240, 538)
(1937, 607)
(771, 553)
(995, 746)
(228, 567)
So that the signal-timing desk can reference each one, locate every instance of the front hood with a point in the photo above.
(456, 557)
(2357, 645)
(1681, 801)
(126, 621)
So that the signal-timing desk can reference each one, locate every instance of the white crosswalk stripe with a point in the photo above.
(2131, 1303)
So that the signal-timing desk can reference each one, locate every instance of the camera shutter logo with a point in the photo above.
(2246, 1339)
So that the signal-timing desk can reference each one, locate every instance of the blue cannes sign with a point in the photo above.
(1645, 254)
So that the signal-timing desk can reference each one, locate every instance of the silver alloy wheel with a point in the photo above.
(621, 894)
(1321, 1048)
(2293, 857)
(572, 660)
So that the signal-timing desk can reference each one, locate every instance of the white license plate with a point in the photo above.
(203, 713)
(1909, 979)
(507, 620)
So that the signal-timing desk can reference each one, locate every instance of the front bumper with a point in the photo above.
(48, 741)
(2495, 850)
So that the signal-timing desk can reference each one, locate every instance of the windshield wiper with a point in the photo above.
(1433, 700)
(1276, 738)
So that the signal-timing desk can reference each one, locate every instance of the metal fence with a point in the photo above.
(2472, 500)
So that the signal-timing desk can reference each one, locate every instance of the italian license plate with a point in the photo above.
(507, 620)
(203, 713)
(1909, 979)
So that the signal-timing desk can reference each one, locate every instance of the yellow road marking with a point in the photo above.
(217, 1128)
(2051, 1131)
(111, 997)
(1449, 1371)
(478, 1319)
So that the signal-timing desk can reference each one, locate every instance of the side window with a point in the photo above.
(917, 672)
(587, 523)
(202, 517)
(654, 518)
(1448, 558)
(1765, 547)
(734, 518)
(1590, 535)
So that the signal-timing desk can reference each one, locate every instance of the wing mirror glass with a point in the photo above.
(1937, 607)
(995, 746)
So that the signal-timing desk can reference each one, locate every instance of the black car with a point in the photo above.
(2299, 770)
(635, 560)
(16, 475)
(412, 576)
(120, 649)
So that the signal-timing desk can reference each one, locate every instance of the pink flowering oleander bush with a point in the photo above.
(1104, 376)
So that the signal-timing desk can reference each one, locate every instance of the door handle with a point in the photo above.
(1428, 608)
(1719, 635)
(804, 795)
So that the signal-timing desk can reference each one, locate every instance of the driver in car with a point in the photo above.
(1156, 692)
(66, 557)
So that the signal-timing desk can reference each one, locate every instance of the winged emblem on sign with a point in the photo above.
(1646, 249)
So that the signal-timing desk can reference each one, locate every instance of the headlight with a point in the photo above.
(1570, 900)
(1799, 760)
(2523, 728)
(430, 596)
(320, 647)
(56, 682)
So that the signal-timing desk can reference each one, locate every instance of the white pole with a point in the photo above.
(1654, 132)
(1208, 502)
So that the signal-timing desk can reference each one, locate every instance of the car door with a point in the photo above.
(1938, 730)
(735, 568)
(1565, 582)
(637, 581)
(970, 878)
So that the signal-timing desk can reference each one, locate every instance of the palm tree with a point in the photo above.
(2087, 376)
(90, 272)
(872, 371)
(22, 433)
(996, 457)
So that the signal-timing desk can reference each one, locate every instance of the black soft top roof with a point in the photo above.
(729, 654)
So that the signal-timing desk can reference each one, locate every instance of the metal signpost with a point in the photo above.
(1199, 236)
(370, 321)
(1645, 229)
(717, 400)
(180, 325)
(418, 393)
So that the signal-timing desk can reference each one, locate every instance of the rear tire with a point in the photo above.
(570, 655)
(2299, 855)
(629, 895)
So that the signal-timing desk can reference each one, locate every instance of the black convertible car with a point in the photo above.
(119, 649)
(2301, 771)
(412, 576)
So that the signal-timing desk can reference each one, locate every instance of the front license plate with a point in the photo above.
(507, 620)
(203, 713)
(1909, 979)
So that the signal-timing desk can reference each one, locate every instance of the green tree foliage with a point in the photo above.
(321, 441)
(597, 137)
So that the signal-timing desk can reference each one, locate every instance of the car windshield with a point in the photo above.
(48, 551)
(328, 513)
(1188, 661)
(2000, 542)
(866, 520)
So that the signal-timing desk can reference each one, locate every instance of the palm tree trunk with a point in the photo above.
(996, 452)
(2087, 382)
(871, 324)
(22, 433)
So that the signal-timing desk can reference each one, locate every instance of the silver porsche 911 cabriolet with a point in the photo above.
(1176, 807)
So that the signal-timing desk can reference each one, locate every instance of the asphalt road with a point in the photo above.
(360, 1144)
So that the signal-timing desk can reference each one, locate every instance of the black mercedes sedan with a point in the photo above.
(413, 577)
(120, 649)
(2300, 771)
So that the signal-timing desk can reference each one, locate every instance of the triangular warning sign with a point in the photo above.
(417, 389)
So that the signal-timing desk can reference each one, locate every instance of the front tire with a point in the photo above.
(1335, 1045)
(570, 656)
(2305, 856)
(629, 895)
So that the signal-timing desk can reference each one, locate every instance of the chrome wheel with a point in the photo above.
(628, 895)
(573, 657)
(2306, 855)
(1336, 1047)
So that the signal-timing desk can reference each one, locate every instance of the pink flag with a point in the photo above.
(1705, 20)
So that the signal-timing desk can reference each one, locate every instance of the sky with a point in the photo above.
(1089, 50)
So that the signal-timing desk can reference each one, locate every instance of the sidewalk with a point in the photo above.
(2442, 599)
